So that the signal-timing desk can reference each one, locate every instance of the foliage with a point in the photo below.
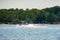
(47, 15)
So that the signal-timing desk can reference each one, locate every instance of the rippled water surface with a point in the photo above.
(10, 32)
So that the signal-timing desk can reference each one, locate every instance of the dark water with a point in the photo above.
(13, 33)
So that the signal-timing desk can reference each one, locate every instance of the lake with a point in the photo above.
(11, 32)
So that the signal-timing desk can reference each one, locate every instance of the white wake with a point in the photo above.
(32, 25)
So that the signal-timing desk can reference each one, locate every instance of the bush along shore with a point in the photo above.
(37, 16)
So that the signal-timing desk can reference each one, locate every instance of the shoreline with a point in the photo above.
(33, 24)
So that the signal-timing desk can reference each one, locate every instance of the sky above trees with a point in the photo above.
(28, 3)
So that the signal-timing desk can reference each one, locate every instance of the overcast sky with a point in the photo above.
(28, 3)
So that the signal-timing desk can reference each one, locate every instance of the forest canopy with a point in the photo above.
(47, 15)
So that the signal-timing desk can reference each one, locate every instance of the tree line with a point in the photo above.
(47, 15)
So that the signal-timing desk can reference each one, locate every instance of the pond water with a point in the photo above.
(49, 32)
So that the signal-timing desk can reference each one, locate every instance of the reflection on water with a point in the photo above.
(10, 32)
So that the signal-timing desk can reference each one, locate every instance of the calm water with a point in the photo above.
(10, 32)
